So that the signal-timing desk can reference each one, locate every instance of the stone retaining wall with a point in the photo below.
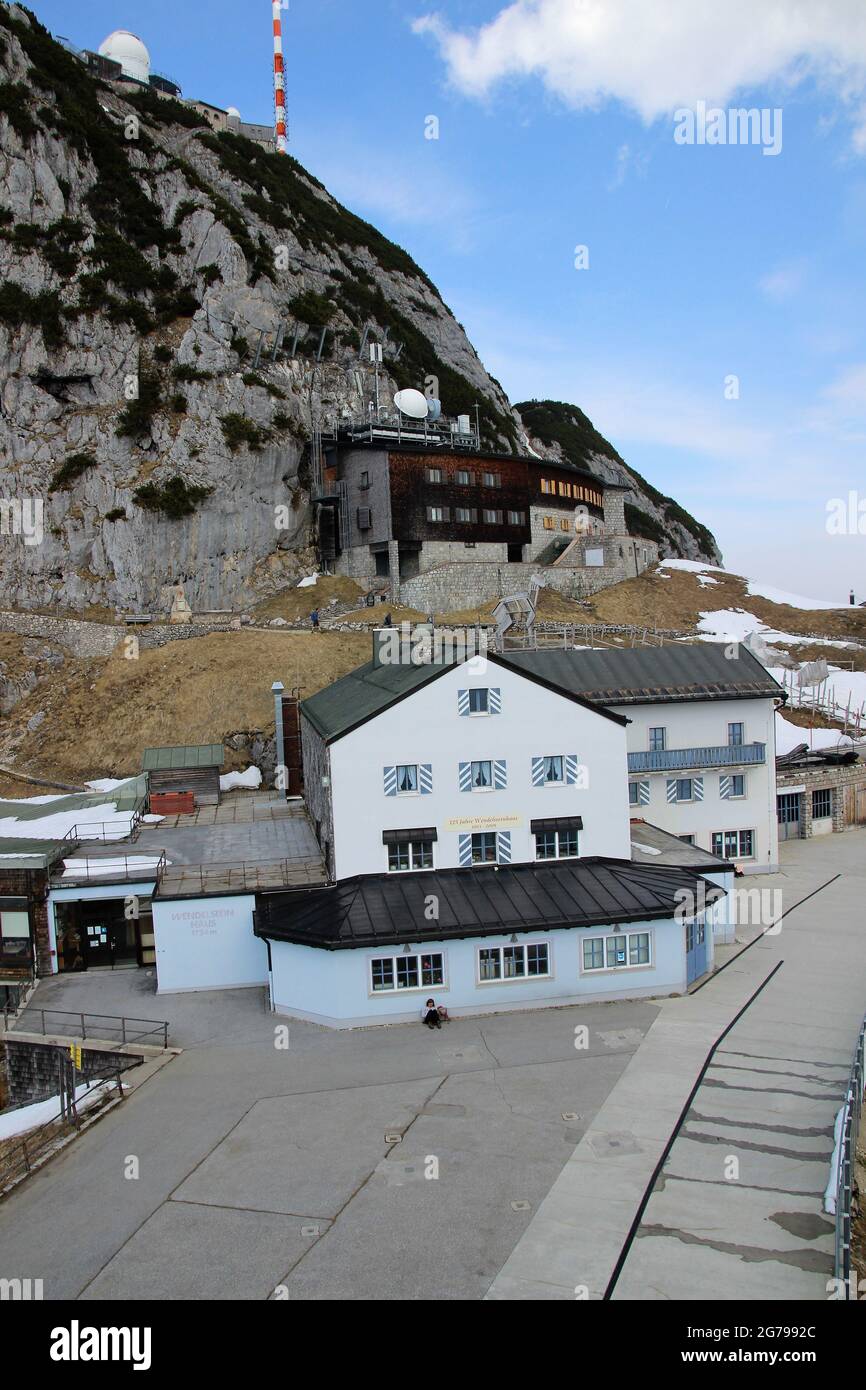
(457, 586)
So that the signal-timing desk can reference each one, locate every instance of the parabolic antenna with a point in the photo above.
(411, 403)
(434, 408)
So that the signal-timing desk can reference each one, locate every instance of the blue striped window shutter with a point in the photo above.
(725, 785)
(425, 778)
(538, 772)
(495, 700)
(464, 776)
(462, 701)
(503, 846)
(570, 769)
(643, 793)
(464, 851)
(500, 776)
(389, 776)
(698, 788)
(672, 791)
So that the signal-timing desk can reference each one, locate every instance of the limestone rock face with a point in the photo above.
(141, 261)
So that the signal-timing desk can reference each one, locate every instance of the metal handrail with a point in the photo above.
(20, 1158)
(156, 1027)
(90, 874)
(77, 832)
(850, 1130)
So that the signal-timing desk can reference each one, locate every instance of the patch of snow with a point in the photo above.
(789, 736)
(113, 824)
(793, 600)
(647, 849)
(250, 780)
(308, 582)
(32, 1116)
(706, 581)
(73, 868)
(691, 566)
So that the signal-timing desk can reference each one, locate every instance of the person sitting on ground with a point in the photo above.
(430, 1015)
(443, 1013)
(387, 622)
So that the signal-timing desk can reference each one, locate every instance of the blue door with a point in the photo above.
(696, 949)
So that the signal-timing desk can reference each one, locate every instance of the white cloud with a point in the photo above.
(784, 282)
(654, 57)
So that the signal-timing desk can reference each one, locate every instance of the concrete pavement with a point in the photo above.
(737, 1210)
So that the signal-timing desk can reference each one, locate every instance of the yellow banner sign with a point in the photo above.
(479, 823)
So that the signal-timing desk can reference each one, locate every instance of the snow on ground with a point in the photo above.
(793, 600)
(32, 1116)
(73, 868)
(754, 587)
(113, 824)
(735, 624)
(691, 566)
(846, 687)
(308, 582)
(250, 780)
(706, 581)
(790, 736)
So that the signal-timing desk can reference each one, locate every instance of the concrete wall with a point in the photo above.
(333, 987)
(427, 728)
(699, 724)
(207, 943)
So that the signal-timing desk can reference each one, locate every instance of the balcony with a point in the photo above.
(683, 759)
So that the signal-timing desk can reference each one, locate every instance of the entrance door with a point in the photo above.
(696, 950)
(788, 811)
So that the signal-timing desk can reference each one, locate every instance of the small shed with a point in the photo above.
(188, 768)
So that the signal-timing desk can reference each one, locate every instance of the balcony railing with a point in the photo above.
(678, 759)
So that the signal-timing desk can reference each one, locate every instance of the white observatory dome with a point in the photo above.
(233, 111)
(130, 52)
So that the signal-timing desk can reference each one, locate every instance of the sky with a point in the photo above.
(713, 326)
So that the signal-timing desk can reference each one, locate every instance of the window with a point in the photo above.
(434, 475)
(556, 844)
(15, 935)
(492, 518)
(479, 701)
(735, 735)
(405, 855)
(437, 513)
(515, 518)
(466, 515)
(407, 972)
(554, 770)
(463, 479)
(482, 776)
(565, 525)
(734, 844)
(621, 950)
(657, 740)
(687, 839)
(634, 793)
(822, 804)
(484, 847)
(685, 789)
(738, 784)
(407, 779)
(546, 486)
(364, 519)
(565, 489)
(365, 480)
(491, 480)
(513, 962)
(548, 523)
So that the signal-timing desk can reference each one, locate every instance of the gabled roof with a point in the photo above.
(648, 675)
(182, 756)
(389, 909)
(371, 689)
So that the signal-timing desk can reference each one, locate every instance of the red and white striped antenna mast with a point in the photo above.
(281, 138)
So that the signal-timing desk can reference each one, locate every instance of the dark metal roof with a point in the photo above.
(182, 757)
(362, 694)
(19, 853)
(389, 909)
(645, 675)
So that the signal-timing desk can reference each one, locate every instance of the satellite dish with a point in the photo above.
(411, 403)
(434, 408)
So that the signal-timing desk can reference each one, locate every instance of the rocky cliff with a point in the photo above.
(141, 259)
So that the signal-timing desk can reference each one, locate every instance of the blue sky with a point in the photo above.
(556, 129)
